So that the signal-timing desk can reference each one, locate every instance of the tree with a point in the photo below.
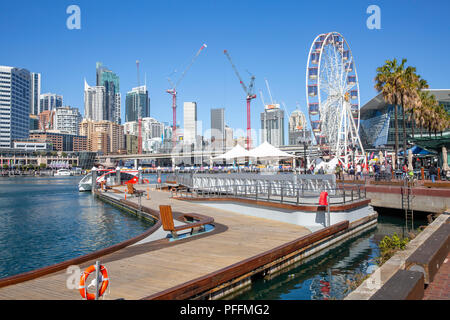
(388, 81)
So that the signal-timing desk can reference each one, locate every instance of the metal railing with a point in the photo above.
(271, 192)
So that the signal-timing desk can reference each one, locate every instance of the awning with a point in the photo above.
(236, 153)
(267, 151)
(416, 150)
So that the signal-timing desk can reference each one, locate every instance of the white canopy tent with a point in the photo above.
(266, 151)
(238, 152)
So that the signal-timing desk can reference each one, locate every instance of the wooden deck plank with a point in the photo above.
(143, 274)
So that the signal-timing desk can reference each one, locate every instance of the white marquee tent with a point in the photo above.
(236, 153)
(266, 151)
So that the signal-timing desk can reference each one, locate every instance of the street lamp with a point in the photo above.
(305, 142)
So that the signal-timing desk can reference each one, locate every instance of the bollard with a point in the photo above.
(94, 179)
(148, 193)
(125, 195)
(118, 181)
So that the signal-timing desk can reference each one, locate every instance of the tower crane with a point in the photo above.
(173, 92)
(250, 95)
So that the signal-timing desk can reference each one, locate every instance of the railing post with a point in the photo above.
(343, 190)
(281, 192)
(298, 195)
(256, 191)
(269, 189)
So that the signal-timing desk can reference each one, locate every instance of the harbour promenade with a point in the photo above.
(147, 268)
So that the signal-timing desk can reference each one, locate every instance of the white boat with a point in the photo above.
(63, 172)
(126, 176)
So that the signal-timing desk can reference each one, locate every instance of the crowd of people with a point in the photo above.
(385, 171)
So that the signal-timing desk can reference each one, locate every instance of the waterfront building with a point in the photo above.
(135, 99)
(33, 145)
(61, 141)
(50, 101)
(377, 125)
(15, 104)
(94, 102)
(105, 137)
(229, 141)
(15, 158)
(298, 132)
(47, 120)
(131, 144)
(67, 119)
(35, 87)
(34, 122)
(190, 122)
(110, 81)
(218, 128)
(272, 125)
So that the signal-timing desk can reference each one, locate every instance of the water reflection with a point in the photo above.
(328, 275)
(45, 220)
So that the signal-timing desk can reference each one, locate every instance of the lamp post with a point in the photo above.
(353, 162)
(305, 142)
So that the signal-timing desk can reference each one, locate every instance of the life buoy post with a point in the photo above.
(101, 281)
(324, 201)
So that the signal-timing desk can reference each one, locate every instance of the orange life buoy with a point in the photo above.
(85, 275)
(159, 180)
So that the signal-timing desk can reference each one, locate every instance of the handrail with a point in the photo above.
(276, 193)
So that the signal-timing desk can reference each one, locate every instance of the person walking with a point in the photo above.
(388, 171)
(338, 171)
(358, 171)
(433, 173)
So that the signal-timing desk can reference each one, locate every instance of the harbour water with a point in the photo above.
(45, 220)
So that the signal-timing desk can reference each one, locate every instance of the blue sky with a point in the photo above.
(271, 39)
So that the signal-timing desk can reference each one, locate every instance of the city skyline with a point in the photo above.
(211, 81)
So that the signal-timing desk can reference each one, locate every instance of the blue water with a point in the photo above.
(45, 220)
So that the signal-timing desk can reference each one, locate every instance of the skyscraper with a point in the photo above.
(67, 119)
(35, 93)
(15, 104)
(50, 101)
(218, 127)
(109, 80)
(190, 122)
(272, 125)
(94, 102)
(137, 96)
(297, 128)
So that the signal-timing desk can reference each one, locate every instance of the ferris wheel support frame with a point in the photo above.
(346, 121)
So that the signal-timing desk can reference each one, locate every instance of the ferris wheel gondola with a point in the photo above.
(332, 94)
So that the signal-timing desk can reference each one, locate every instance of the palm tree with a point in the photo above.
(409, 96)
(388, 81)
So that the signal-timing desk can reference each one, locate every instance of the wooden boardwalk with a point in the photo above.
(141, 270)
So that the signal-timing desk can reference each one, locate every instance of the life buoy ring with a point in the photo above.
(146, 181)
(159, 180)
(85, 275)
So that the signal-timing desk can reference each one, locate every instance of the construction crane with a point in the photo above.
(139, 111)
(250, 95)
(173, 92)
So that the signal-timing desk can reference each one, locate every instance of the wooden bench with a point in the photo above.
(131, 190)
(403, 285)
(196, 222)
(430, 255)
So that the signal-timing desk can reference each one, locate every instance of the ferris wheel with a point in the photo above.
(332, 95)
